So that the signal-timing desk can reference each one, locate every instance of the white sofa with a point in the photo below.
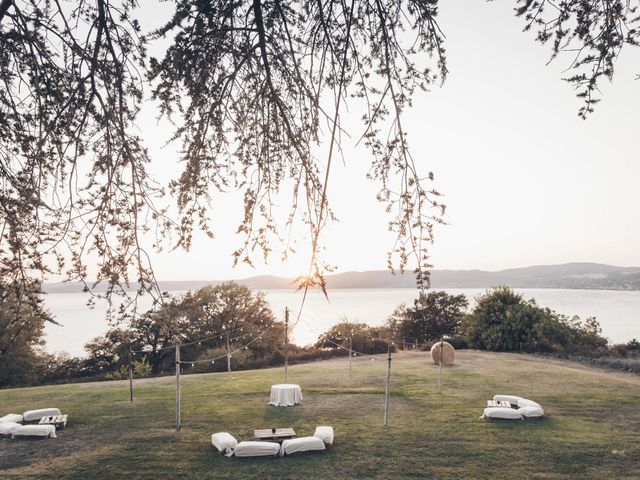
(324, 433)
(7, 428)
(11, 417)
(224, 442)
(521, 408)
(301, 444)
(41, 431)
(33, 415)
(257, 449)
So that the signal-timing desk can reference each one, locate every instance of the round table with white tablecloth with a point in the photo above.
(285, 395)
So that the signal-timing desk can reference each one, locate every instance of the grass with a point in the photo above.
(591, 428)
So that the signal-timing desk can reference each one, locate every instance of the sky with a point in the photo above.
(526, 181)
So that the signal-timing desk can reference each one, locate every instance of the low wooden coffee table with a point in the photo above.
(267, 435)
(60, 421)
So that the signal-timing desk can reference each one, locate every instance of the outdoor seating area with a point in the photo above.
(41, 423)
(281, 442)
(511, 407)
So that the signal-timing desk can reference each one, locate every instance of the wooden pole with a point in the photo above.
(130, 375)
(440, 362)
(286, 345)
(177, 387)
(228, 356)
(386, 388)
(416, 344)
(350, 353)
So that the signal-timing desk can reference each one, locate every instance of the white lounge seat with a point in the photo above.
(257, 449)
(502, 412)
(325, 434)
(32, 415)
(42, 431)
(525, 402)
(531, 412)
(224, 442)
(11, 417)
(302, 444)
(7, 428)
(524, 407)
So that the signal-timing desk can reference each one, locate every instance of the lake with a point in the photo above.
(617, 311)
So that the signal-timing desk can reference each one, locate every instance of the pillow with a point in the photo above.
(12, 417)
(31, 415)
(325, 434)
(531, 412)
(7, 428)
(525, 402)
(224, 442)
(257, 449)
(302, 444)
(512, 399)
(502, 412)
(44, 431)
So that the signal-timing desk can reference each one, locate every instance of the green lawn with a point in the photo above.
(592, 427)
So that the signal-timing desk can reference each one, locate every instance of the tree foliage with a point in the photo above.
(200, 321)
(22, 321)
(503, 320)
(363, 338)
(432, 316)
(591, 32)
(255, 88)
(249, 85)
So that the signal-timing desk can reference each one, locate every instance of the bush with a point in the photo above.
(120, 374)
(630, 349)
(504, 321)
(364, 339)
(141, 368)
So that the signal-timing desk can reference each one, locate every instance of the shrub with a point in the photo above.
(119, 374)
(141, 368)
(504, 321)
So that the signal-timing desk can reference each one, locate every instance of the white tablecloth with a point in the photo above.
(285, 395)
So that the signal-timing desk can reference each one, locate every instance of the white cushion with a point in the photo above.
(7, 428)
(35, 431)
(531, 412)
(302, 444)
(257, 449)
(31, 415)
(525, 402)
(224, 442)
(502, 412)
(325, 434)
(512, 399)
(12, 417)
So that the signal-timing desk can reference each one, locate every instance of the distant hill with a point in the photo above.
(594, 276)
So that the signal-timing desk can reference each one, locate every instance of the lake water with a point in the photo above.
(617, 311)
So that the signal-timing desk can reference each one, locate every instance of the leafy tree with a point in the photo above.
(200, 321)
(22, 321)
(364, 339)
(250, 85)
(432, 316)
(503, 320)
